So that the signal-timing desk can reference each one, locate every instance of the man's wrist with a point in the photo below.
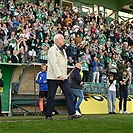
(59, 76)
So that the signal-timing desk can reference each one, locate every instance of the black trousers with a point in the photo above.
(123, 95)
(52, 88)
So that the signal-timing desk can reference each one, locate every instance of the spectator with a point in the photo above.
(15, 22)
(85, 68)
(124, 82)
(40, 35)
(101, 57)
(125, 52)
(44, 53)
(103, 75)
(72, 51)
(68, 21)
(95, 64)
(78, 39)
(32, 47)
(59, 29)
(122, 66)
(111, 94)
(2, 36)
(5, 30)
(27, 31)
(87, 55)
(70, 61)
(11, 28)
(23, 56)
(12, 42)
(81, 21)
(62, 22)
(113, 67)
(7, 57)
(53, 32)
(129, 72)
(107, 60)
(14, 57)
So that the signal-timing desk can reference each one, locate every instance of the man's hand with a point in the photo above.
(45, 81)
(81, 83)
(121, 83)
(62, 77)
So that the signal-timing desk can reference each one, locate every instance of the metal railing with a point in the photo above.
(20, 110)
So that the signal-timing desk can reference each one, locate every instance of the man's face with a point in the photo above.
(95, 59)
(60, 41)
(44, 68)
(78, 65)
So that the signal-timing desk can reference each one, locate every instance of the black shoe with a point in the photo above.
(113, 113)
(49, 118)
(42, 114)
(110, 113)
(70, 117)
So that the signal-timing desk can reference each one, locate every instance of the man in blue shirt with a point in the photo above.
(41, 79)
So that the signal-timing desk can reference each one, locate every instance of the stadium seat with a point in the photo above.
(103, 88)
(87, 87)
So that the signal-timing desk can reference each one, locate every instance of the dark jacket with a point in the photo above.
(14, 59)
(124, 87)
(75, 79)
(94, 64)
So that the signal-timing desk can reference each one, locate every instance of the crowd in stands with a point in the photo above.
(27, 32)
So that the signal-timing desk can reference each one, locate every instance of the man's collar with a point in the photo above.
(58, 46)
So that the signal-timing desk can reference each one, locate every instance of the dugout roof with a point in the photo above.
(123, 5)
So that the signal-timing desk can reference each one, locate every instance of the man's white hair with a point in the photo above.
(56, 37)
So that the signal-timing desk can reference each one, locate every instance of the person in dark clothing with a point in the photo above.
(14, 57)
(32, 47)
(76, 86)
(124, 82)
(40, 35)
(36, 2)
(23, 56)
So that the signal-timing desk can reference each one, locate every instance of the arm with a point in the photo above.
(108, 81)
(122, 82)
(40, 80)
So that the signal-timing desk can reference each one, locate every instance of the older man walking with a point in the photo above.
(57, 76)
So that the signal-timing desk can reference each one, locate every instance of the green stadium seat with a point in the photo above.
(95, 88)
(103, 87)
(87, 87)
(130, 89)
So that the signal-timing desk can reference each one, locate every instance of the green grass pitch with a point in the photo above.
(60, 124)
